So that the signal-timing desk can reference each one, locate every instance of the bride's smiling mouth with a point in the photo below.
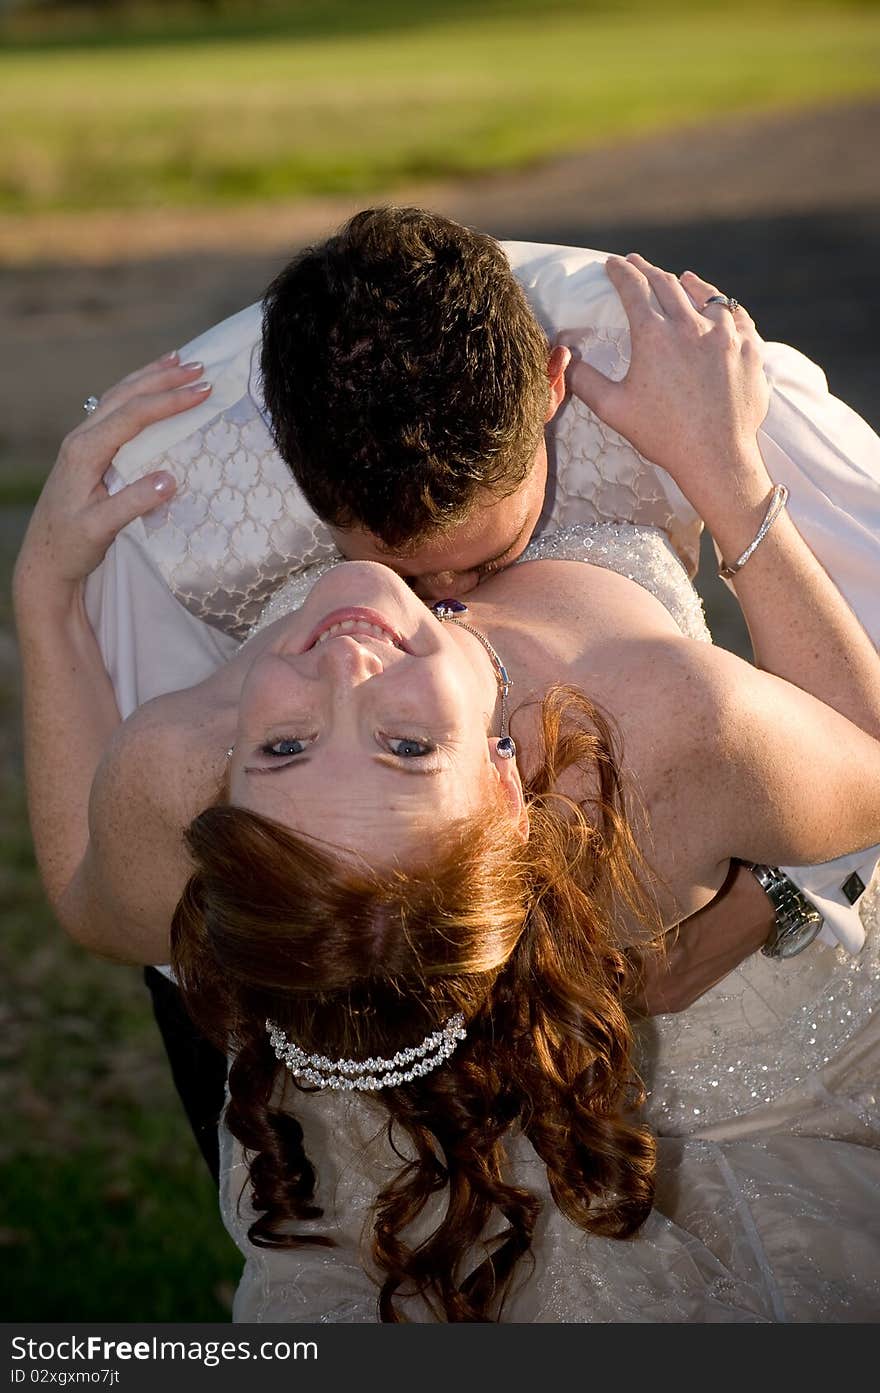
(358, 623)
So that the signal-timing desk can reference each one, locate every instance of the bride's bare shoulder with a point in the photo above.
(576, 603)
(173, 740)
(163, 765)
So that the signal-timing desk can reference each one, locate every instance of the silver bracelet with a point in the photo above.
(778, 500)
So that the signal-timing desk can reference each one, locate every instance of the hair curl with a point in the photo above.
(404, 372)
(524, 939)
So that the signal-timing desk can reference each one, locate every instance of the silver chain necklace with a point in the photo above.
(448, 612)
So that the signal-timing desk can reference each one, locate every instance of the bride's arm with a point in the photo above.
(765, 772)
(70, 711)
(692, 401)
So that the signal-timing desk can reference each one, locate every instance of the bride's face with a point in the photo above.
(364, 720)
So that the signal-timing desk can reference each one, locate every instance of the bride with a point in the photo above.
(379, 872)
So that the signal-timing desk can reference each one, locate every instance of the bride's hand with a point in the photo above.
(75, 518)
(695, 393)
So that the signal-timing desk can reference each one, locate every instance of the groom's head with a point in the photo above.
(408, 383)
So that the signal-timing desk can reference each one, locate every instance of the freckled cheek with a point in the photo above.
(252, 707)
(270, 684)
(439, 692)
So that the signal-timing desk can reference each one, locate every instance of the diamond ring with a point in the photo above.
(90, 404)
(726, 300)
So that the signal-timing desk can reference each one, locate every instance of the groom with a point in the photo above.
(404, 381)
(409, 384)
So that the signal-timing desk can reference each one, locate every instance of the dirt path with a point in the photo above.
(784, 211)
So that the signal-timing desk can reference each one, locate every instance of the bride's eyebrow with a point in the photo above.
(387, 761)
(408, 766)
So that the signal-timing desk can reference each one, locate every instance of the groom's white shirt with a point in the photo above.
(179, 589)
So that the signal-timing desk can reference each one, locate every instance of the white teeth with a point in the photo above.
(361, 628)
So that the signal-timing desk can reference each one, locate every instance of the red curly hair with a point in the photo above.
(523, 939)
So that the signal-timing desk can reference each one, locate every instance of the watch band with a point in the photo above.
(797, 920)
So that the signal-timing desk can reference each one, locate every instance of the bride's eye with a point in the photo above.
(284, 748)
(407, 747)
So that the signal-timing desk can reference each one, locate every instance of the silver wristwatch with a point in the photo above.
(797, 920)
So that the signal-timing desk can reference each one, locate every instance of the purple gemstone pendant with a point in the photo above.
(445, 609)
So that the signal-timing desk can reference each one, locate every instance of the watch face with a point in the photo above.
(794, 940)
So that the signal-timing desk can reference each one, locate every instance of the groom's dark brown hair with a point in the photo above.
(404, 373)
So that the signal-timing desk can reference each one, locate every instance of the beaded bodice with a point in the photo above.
(643, 554)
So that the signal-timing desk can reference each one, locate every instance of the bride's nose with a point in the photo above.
(344, 659)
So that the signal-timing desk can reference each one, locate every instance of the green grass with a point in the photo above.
(18, 490)
(107, 1211)
(220, 121)
(106, 1208)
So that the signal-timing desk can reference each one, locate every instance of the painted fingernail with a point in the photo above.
(192, 367)
(199, 388)
(171, 357)
(164, 483)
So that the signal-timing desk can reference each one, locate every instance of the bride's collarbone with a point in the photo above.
(579, 624)
(575, 602)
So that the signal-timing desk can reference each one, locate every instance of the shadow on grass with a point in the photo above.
(89, 1239)
(83, 26)
(107, 1210)
(64, 26)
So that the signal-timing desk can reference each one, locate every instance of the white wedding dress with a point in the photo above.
(769, 1180)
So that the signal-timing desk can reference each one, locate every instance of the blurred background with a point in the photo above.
(159, 161)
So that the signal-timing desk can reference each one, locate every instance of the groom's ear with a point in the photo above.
(556, 365)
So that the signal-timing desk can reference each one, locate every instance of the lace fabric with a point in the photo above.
(224, 543)
(780, 1229)
(599, 476)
